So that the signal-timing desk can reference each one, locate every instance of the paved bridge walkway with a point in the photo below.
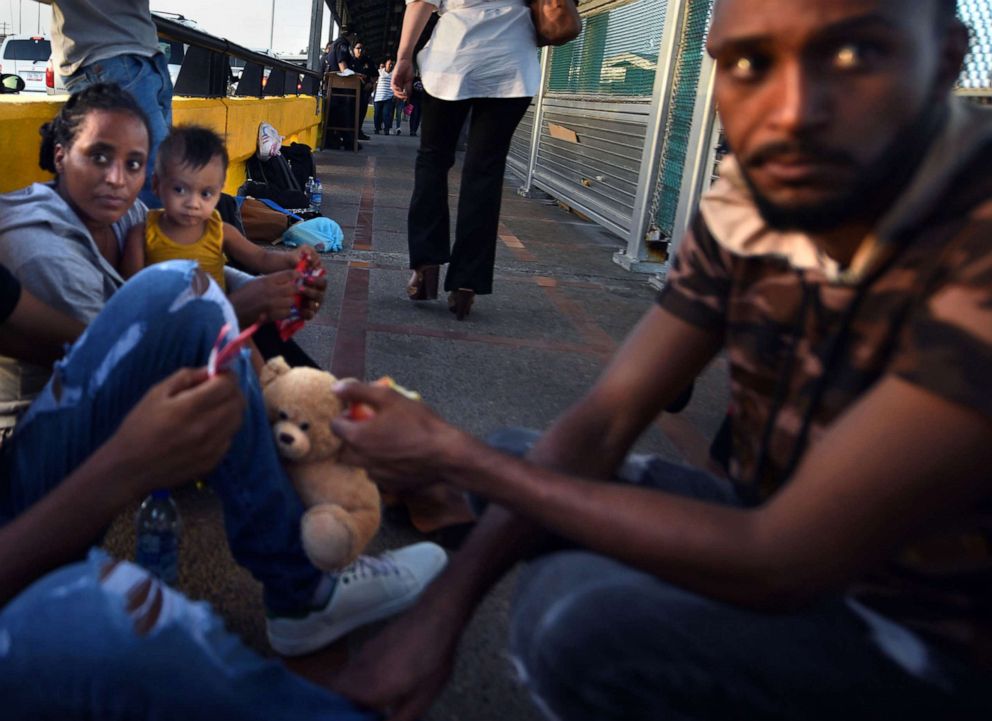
(559, 310)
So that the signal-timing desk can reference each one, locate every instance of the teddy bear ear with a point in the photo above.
(272, 370)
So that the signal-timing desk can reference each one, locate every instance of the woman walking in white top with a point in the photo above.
(481, 58)
(383, 99)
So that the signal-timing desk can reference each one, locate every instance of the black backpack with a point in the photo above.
(274, 179)
(300, 158)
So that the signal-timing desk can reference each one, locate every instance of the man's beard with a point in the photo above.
(876, 187)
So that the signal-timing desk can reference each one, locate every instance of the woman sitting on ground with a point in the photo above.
(63, 240)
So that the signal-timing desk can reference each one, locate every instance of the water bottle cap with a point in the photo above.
(160, 494)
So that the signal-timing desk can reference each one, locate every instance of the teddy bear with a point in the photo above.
(343, 506)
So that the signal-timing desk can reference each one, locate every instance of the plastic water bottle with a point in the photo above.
(309, 187)
(316, 195)
(158, 530)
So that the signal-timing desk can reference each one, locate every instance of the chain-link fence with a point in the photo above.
(678, 126)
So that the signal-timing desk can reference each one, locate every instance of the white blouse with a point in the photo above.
(481, 49)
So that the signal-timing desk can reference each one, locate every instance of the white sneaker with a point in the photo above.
(369, 589)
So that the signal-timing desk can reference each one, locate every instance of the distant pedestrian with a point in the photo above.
(417, 101)
(327, 59)
(481, 58)
(383, 100)
(399, 110)
(343, 61)
(368, 72)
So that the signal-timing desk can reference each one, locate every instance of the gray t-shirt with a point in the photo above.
(46, 246)
(85, 31)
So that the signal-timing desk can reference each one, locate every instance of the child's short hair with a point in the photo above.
(192, 145)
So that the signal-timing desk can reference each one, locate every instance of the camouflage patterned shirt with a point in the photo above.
(805, 339)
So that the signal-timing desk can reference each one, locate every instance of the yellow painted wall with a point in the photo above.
(237, 119)
(20, 118)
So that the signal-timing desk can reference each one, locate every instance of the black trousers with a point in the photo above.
(491, 127)
(363, 109)
(382, 116)
(417, 100)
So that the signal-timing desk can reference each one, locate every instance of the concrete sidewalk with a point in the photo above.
(560, 308)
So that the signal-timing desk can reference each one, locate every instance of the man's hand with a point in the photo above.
(179, 430)
(402, 79)
(403, 444)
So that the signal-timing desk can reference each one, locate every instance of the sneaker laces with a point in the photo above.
(370, 566)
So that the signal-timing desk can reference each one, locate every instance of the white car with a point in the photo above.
(27, 56)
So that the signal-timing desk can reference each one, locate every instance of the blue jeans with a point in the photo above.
(382, 115)
(156, 323)
(147, 80)
(69, 646)
(69, 649)
(593, 638)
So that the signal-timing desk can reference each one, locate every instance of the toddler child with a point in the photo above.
(190, 169)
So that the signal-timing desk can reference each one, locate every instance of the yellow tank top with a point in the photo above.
(208, 251)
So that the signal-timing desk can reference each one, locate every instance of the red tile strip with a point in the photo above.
(348, 357)
(515, 245)
(590, 330)
(363, 226)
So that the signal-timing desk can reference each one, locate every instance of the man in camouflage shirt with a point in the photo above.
(843, 264)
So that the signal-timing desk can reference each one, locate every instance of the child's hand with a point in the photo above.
(311, 256)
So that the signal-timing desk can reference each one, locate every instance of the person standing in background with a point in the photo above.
(344, 59)
(383, 113)
(494, 73)
(416, 100)
(327, 59)
(367, 71)
(399, 107)
(115, 41)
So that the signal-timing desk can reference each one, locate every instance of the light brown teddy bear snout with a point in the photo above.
(292, 443)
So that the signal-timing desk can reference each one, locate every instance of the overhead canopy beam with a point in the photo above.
(376, 22)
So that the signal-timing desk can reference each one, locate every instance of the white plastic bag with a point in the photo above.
(269, 141)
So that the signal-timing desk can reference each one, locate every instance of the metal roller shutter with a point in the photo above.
(519, 154)
(596, 107)
(598, 173)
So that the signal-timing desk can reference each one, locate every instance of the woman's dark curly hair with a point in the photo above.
(63, 128)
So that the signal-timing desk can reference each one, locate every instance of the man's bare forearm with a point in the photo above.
(590, 439)
(709, 547)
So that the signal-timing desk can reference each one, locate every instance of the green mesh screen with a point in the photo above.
(977, 74)
(616, 55)
(679, 123)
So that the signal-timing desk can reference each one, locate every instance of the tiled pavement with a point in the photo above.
(559, 310)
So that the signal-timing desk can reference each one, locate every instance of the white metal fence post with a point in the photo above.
(535, 135)
(633, 258)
